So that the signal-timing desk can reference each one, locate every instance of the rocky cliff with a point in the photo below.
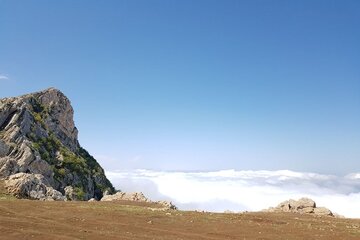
(40, 156)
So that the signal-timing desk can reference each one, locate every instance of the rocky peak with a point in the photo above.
(51, 108)
(60, 118)
(38, 136)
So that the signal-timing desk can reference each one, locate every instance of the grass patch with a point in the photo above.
(4, 195)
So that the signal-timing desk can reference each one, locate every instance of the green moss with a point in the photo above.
(45, 156)
(39, 111)
(79, 193)
(32, 134)
(96, 170)
(104, 188)
(59, 172)
(46, 146)
(91, 162)
(80, 163)
(62, 171)
(74, 163)
(37, 117)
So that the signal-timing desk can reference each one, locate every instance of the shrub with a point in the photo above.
(36, 105)
(79, 193)
(37, 117)
(61, 172)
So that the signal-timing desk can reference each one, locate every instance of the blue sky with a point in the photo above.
(196, 85)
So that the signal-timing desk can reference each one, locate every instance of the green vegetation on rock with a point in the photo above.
(79, 163)
(46, 143)
(79, 192)
(39, 112)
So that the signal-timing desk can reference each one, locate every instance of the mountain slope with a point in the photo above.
(40, 152)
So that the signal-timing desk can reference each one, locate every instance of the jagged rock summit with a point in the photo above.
(40, 156)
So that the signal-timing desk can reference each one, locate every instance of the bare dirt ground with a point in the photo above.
(26, 219)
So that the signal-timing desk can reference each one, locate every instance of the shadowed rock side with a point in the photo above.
(40, 156)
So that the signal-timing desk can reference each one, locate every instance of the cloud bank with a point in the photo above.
(243, 190)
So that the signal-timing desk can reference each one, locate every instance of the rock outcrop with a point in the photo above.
(40, 156)
(137, 197)
(32, 186)
(302, 206)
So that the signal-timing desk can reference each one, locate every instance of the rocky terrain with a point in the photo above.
(40, 156)
(25, 219)
(137, 197)
(302, 206)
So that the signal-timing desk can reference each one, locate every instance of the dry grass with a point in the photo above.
(3, 194)
(26, 219)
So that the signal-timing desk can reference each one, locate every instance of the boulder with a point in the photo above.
(137, 197)
(302, 206)
(74, 194)
(302, 203)
(321, 211)
(167, 205)
(69, 193)
(31, 186)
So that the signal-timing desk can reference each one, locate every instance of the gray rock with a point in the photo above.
(4, 149)
(61, 119)
(32, 186)
(167, 205)
(69, 193)
(137, 197)
(306, 210)
(303, 203)
(302, 206)
(38, 135)
(321, 211)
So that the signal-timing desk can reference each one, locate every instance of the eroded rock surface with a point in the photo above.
(302, 206)
(38, 138)
(32, 186)
(137, 197)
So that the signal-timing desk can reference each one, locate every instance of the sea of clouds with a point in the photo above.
(237, 191)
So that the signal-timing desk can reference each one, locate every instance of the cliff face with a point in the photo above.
(38, 140)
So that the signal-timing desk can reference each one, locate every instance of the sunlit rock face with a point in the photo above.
(38, 136)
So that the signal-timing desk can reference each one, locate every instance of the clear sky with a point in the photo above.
(196, 85)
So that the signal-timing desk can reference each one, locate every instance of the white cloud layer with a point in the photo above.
(3, 77)
(243, 190)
